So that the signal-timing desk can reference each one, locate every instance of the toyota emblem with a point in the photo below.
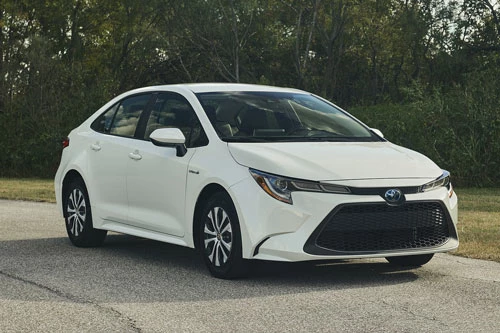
(394, 197)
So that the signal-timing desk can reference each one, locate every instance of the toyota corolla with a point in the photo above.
(246, 172)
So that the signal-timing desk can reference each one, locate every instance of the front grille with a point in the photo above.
(379, 227)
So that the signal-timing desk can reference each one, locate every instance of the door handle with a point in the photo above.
(95, 147)
(135, 155)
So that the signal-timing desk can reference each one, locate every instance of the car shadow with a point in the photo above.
(128, 268)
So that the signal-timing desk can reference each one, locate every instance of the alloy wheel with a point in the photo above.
(218, 236)
(76, 211)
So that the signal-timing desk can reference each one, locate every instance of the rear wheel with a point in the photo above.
(417, 260)
(78, 216)
(219, 238)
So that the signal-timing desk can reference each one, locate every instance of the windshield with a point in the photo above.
(276, 116)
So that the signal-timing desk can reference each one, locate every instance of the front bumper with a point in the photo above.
(272, 230)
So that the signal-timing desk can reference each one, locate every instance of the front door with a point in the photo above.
(156, 177)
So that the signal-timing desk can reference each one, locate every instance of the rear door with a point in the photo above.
(109, 149)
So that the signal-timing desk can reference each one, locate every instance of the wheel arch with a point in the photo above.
(70, 177)
(204, 195)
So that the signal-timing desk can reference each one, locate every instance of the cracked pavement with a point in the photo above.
(136, 285)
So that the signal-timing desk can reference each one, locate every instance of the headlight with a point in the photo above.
(441, 181)
(281, 188)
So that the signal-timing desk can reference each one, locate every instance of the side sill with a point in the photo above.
(144, 233)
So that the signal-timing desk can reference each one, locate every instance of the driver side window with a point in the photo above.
(174, 111)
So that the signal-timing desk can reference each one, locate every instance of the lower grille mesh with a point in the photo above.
(379, 227)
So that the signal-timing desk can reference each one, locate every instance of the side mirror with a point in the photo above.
(378, 132)
(170, 137)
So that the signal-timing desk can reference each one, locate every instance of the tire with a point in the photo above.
(78, 217)
(415, 261)
(219, 238)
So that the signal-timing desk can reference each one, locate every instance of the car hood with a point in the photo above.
(335, 161)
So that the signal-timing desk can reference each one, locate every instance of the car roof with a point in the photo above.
(215, 87)
(220, 87)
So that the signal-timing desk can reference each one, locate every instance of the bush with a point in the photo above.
(458, 129)
(56, 99)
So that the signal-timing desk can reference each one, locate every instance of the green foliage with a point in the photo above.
(61, 60)
(458, 129)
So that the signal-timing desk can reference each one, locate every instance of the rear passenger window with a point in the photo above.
(122, 118)
(103, 123)
(128, 114)
(174, 111)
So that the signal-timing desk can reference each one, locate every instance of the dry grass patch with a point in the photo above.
(27, 189)
(479, 223)
(479, 234)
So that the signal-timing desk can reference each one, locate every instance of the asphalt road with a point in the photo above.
(136, 285)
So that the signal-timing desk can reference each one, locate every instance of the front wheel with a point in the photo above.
(78, 216)
(417, 260)
(219, 238)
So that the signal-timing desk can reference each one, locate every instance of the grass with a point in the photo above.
(478, 221)
(27, 189)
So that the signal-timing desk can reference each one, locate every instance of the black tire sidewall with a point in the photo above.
(89, 236)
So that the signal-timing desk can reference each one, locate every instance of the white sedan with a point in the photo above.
(251, 172)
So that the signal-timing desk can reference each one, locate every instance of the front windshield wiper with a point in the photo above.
(245, 139)
(296, 139)
(319, 139)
